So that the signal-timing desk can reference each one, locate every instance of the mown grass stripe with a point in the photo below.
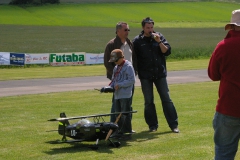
(103, 15)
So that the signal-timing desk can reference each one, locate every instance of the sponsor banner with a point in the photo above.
(4, 58)
(17, 58)
(36, 58)
(61, 59)
(93, 58)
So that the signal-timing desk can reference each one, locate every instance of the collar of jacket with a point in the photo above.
(142, 34)
(119, 42)
(232, 33)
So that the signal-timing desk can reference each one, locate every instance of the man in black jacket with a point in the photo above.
(151, 48)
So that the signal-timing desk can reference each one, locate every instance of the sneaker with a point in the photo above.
(175, 130)
(133, 131)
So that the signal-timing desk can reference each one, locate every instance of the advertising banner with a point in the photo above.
(17, 58)
(61, 59)
(36, 58)
(4, 58)
(93, 58)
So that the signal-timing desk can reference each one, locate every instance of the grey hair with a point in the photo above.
(119, 25)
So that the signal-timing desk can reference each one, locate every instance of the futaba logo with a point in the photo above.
(72, 57)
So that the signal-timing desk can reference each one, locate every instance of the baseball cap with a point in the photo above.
(116, 54)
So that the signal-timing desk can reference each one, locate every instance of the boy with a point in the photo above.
(123, 79)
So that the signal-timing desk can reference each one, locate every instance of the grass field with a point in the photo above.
(192, 28)
(43, 39)
(24, 125)
(173, 14)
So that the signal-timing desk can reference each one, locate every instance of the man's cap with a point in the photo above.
(116, 54)
(235, 20)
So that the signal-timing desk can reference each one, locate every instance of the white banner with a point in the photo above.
(4, 58)
(36, 58)
(93, 58)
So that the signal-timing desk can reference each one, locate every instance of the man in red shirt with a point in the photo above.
(224, 66)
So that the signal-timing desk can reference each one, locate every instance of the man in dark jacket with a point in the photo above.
(122, 42)
(151, 48)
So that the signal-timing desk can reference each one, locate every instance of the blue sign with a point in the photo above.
(17, 58)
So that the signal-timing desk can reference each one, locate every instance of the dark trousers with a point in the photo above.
(113, 117)
(167, 104)
(123, 105)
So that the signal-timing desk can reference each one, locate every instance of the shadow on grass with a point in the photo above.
(103, 147)
(146, 135)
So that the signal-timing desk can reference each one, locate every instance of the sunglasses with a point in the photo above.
(126, 30)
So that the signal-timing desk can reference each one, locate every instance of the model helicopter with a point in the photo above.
(84, 130)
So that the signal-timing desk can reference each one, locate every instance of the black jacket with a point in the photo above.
(151, 62)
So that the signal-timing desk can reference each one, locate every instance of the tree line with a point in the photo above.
(21, 2)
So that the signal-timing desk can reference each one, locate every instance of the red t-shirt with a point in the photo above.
(224, 65)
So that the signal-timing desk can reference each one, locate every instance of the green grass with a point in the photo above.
(192, 28)
(173, 14)
(185, 42)
(24, 125)
(88, 70)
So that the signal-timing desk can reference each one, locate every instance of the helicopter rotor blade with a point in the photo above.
(89, 116)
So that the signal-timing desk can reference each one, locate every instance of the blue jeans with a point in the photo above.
(113, 117)
(226, 136)
(124, 105)
(150, 113)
